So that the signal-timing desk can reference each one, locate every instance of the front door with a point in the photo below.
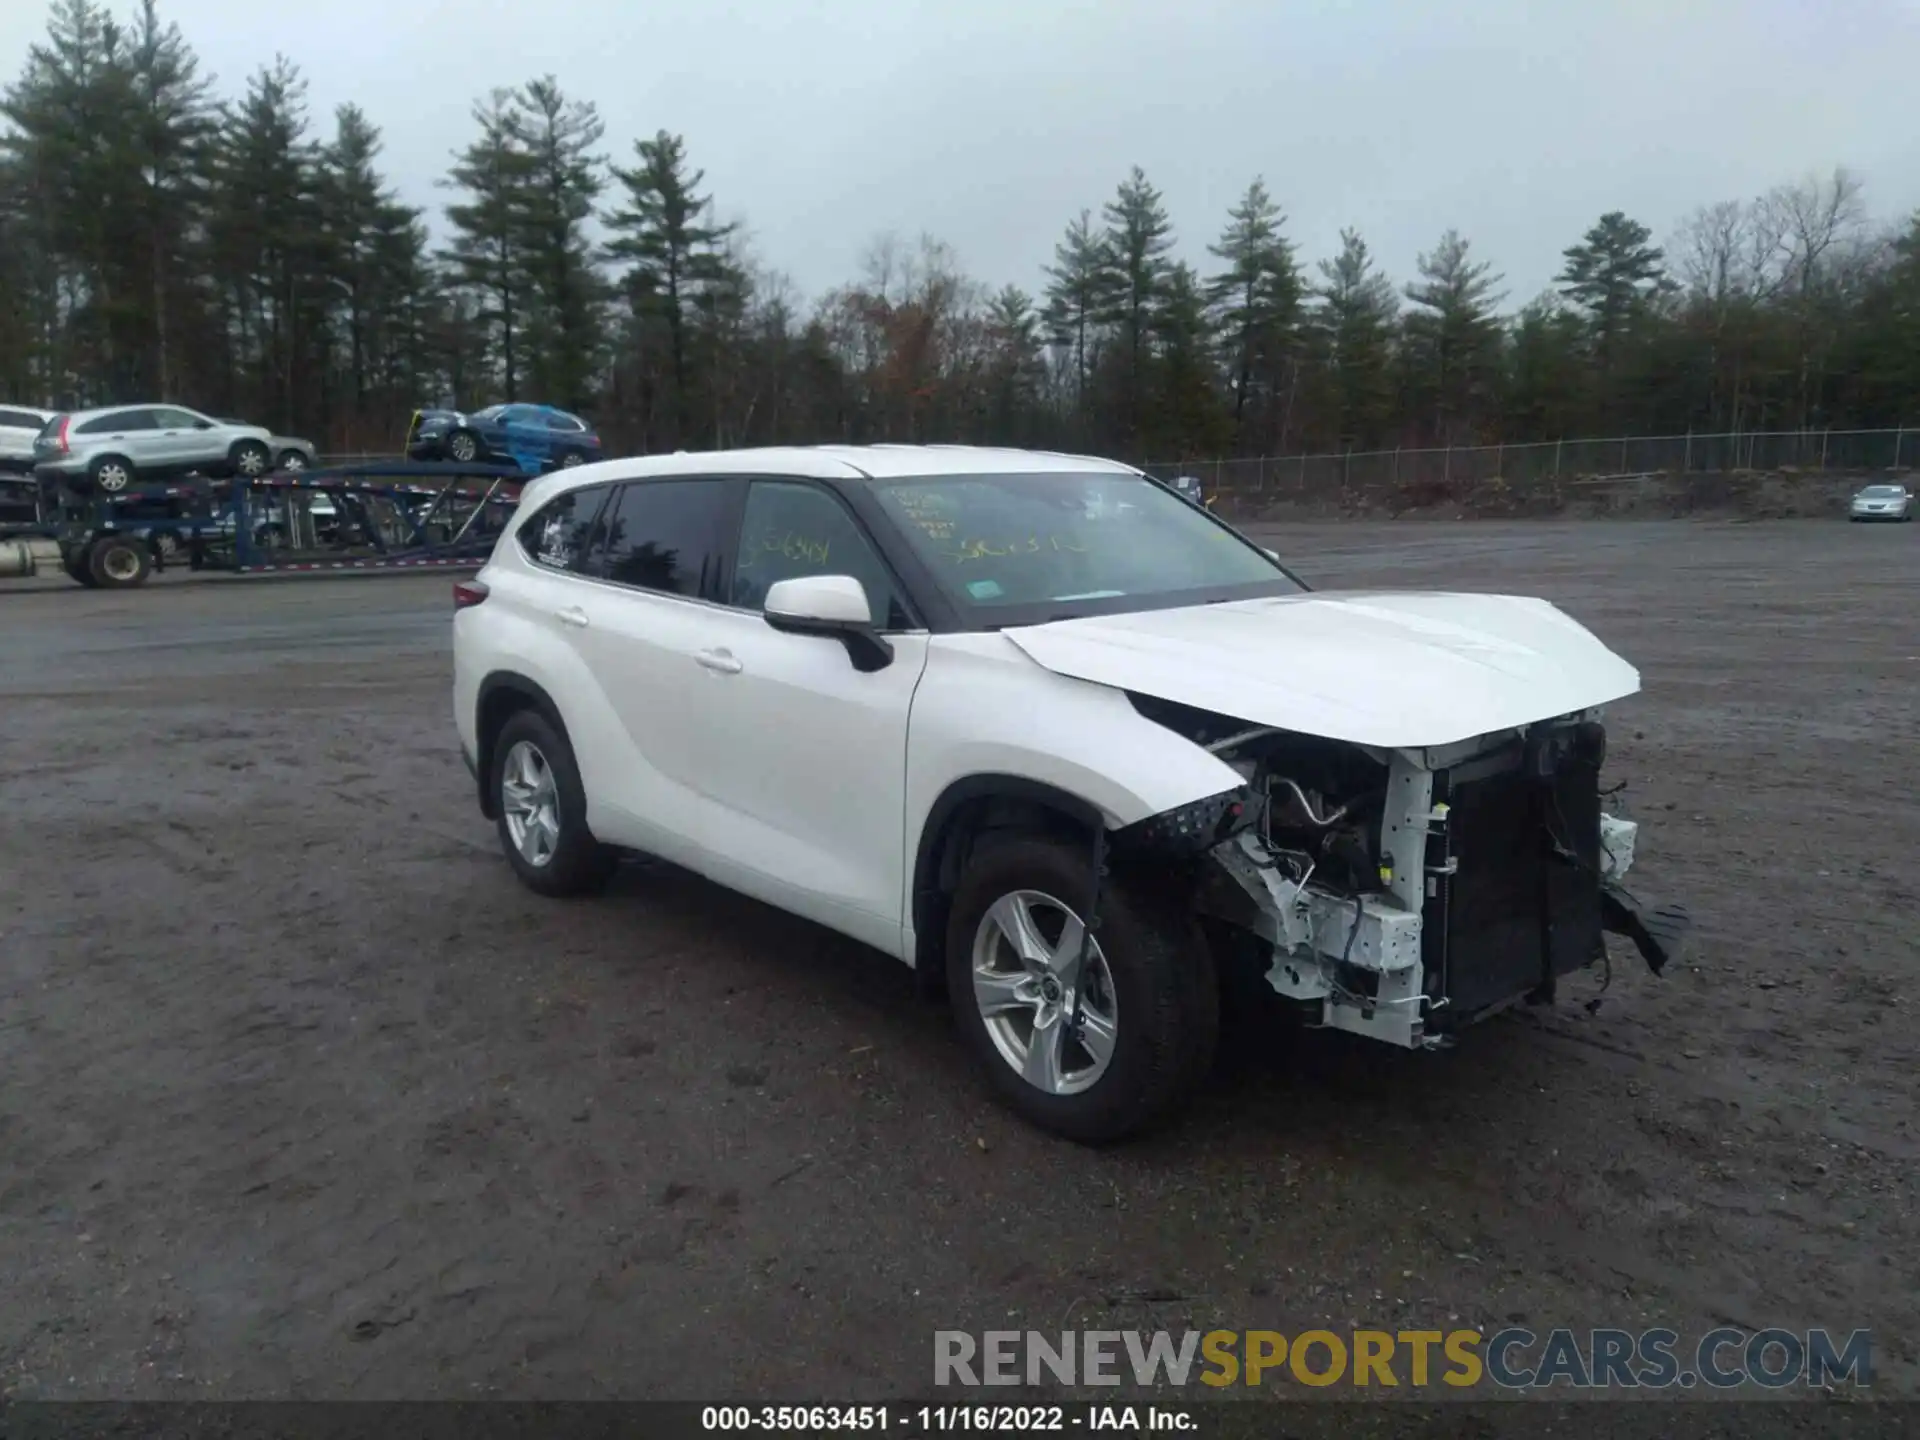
(524, 433)
(185, 440)
(806, 789)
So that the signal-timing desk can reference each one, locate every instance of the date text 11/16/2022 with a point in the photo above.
(942, 1419)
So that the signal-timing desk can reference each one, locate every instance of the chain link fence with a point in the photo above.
(1432, 474)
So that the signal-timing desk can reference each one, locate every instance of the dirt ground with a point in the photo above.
(301, 1095)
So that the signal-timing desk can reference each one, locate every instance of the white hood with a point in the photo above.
(1395, 670)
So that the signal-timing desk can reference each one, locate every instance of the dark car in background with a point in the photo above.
(536, 438)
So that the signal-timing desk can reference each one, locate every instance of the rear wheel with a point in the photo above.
(250, 458)
(1091, 1038)
(543, 810)
(111, 473)
(119, 562)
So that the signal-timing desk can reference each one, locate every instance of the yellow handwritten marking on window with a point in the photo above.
(789, 546)
(1026, 545)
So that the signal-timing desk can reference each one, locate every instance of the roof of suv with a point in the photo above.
(836, 462)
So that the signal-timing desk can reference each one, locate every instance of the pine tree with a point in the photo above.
(1255, 302)
(1016, 365)
(1184, 416)
(268, 248)
(1452, 350)
(352, 204)
(71, 113)
(565, 291)
(1612, 274)
(175, 122)
(674, 251)
(1076, 298)
(1352, 332)
(488, 254)
(1138, 236)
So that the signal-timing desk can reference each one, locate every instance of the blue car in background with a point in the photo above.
(537, 438)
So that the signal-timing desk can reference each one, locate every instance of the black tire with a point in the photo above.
(120, 562)
(578, 864)
(1166, 993)
(291, 460)
(111, 473)
(572, 458)
(249, 458)
(74, 562)
(463, 446)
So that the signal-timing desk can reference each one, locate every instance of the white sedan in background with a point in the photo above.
(1882, 502)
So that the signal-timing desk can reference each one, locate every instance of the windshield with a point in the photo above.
(1884, 492)
(1062, 545)
(492, 412)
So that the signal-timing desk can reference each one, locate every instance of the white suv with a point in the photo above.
(1062, 741)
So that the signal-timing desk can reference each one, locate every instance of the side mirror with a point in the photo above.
(203, 424)
(832, 606)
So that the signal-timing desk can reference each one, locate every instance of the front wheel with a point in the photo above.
(1092, 1037)
(463, 446)
(543, 811)
(292, 461)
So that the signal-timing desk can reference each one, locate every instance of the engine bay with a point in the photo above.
(1403, 894)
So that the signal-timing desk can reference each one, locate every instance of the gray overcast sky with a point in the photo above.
(989, 123)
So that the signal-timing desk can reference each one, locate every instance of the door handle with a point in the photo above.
(718, 661)
(573, 615)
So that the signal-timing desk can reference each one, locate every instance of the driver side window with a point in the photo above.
(791, 529)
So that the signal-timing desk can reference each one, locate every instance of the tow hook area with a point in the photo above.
(1657, 932)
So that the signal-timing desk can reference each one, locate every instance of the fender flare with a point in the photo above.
(931, 852)
(503, 692)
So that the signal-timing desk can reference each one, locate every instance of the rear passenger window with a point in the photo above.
(664, 535)
(20, 420)
(556, 536)
(790, 530)
(119, 423)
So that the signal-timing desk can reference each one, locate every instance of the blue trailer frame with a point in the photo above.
(385, 515)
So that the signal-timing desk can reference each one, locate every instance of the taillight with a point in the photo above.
(61, 438)
(468, 593)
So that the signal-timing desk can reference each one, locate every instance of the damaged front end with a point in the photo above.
(1404, 893)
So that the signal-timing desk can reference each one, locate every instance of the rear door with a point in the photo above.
(644, 623)
(133, 435)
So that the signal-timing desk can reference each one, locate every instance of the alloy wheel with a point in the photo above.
(1045, 992)
(530, 800)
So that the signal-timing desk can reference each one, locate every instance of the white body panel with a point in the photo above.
(803, 769)
(1392, 670)
(983, 708)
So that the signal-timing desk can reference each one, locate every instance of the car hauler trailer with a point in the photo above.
(383, 515)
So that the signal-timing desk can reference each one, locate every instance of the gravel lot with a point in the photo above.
(304, 1096)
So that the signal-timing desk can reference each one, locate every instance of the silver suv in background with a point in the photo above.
(18, 425)
(111, 449)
